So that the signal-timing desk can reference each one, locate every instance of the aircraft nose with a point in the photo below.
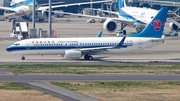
(8, 49)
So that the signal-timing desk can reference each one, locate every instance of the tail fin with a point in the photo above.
(100, 34)
(121, 4)
(156, 27)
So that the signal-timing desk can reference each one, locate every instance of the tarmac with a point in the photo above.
(166, 53)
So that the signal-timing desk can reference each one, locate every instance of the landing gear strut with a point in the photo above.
(88, 57)
(23, 58)
(121, 32)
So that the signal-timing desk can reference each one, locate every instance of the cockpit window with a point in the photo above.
(16, 44)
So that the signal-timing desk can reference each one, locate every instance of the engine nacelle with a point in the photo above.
(73, 54)
(110, 25)
(20, 12)
(173, 26)
(44, 13)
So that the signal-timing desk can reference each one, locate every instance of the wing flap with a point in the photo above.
(102, 49)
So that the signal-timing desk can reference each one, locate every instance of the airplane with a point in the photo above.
(24, 7)
(135, 17)
(75, 48)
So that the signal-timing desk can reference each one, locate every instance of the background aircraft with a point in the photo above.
(24, 7)
(135, 17)
(75, 48)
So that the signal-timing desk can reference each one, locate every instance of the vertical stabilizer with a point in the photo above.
(156, 27)
(121, 4)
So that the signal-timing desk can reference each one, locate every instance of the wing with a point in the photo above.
(74, 4)
(119, 19)
(51, 3)
(116, 13)
(7, 8)
(98, 50)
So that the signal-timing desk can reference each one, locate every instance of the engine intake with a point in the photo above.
(110, 25)
(173, 26)
(73, 54)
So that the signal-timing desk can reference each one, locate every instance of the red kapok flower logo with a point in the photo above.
(157, 24)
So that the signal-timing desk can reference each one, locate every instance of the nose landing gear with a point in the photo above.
(23, 58)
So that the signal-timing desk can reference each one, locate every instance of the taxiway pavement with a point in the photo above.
(56, 91)
(64, 78)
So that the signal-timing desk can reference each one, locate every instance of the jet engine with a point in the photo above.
(44, 13)
(110, 25)
(173, 26)
(20, 12)
(73, 54)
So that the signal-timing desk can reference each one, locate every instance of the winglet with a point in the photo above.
(121, 42)
(100, 34)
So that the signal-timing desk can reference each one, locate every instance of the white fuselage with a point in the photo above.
(144, 15)
(56, 46)
(23, 10)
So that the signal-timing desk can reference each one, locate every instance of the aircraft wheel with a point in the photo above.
(176, 34)
(90, 57)
(124, 32)
(40, 20)
(23, 58)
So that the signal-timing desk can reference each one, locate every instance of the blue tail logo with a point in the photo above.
(157, 25)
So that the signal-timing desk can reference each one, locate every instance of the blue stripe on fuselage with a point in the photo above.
(129, 17)
(27, 2)
(24, 48)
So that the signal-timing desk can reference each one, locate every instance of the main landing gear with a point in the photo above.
(23, 58)
(121, 32)
(88, 57)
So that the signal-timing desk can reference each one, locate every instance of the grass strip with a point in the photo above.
(12, 86)
(126, 91)
(93, 69)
